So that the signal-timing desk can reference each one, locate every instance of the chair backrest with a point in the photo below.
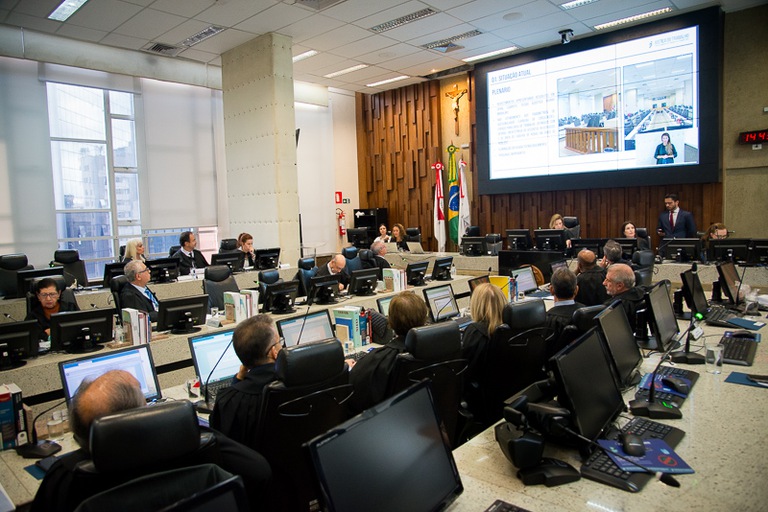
(304, 276)
(349, 252)
(584, 318)
(305, 401)
(413, 235)
(472, 231)
(266, 277)
(306, 263)
(10, 264)
(228, 245)
(643, 259)
(218, 279)
(641, 233)
(644, 276)
(173, 250)
(524, 315)
(116, 286)
(572, 225)
(74, 267)
(353, 264)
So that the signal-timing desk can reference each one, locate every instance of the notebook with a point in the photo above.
(415, 248)
(304, 329)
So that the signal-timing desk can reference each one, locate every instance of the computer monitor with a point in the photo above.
(182, 314)
(681, 249)
(441, 268)
(729, 281)
(693, 292)
(359, 237)
(364, 281)
(525, 279)
(473, 246)
(136, 360)
(661, 317)
(163, 270)
(593, 244)
(267, 258)
(306, 328)
(18, 341)
(550, 239)
(415, 272)
(441, 302)
(214, 357)
(621, 343)
(79, 332)
(628, 246)
(415, 468)
(509, 260)
(731, 249)
(519, 239)
(477, 281)
(759, 253)
(279, 297)
(383, 304)
(25, 279)
(323, 289)
(111, 271)
(595, 402)
(235, 260)
(556, 265)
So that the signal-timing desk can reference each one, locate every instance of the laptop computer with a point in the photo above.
(391, 247)
(442, 306)
(526, 283)
(215, 360)
(137, 360)
(415, 248)
(306, 328)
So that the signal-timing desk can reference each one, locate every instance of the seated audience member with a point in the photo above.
(383, 236)
(620, 285)
(612, 253)
(398, 237)
(590, 279)
(236, 412)
(379, 250)
(628, 231)
(336, 267)
(189, 257)
(486, 306)
(116, 391)
(716, 231)
(370, 376)
(564, 287)
(556, 222)
(134, 250)
(48, 300)
(245, 244)
(135, 294)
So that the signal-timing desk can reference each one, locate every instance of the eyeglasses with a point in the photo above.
(48, 295)
(273, 345)
(145, 270)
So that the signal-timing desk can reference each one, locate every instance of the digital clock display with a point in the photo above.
(753, 137)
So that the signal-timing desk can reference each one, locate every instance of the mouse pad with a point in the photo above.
(658, 457)
(741, 378)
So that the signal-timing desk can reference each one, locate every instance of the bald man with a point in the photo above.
(620, 285)
(591, 291)
(336, 267)
(113, 392)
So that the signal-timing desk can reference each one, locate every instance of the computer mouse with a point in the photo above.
(632, 444)
(676, 384)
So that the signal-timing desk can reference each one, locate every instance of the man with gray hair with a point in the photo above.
(612, 254)
(135, 294)
(336, 267)
(620, 285)
(379, 249)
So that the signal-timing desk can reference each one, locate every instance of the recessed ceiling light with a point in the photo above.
(630, 19)
(576, 3)
(512, 16)
(202, 35)
(491, 54)
(388, 81)
(399, 22)
(345, 71)
(305, 55)
(66, 9)
(443, 42)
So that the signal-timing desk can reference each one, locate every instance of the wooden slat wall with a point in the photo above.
(398, 140)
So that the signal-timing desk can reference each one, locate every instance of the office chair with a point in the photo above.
(67, 295)
(116, 286)
(228, 245)
(353, 264)
(307, 270)
(644, 276)
(173, 250)
(472, 231)
(218, 279)
(10, 264)
(306, 400)
(349, 252)
(413, 235)
(266, 277)
(643, 259)
(521, 316)
(583, 319)
(493, 243)
(573, 226)
(74, 267)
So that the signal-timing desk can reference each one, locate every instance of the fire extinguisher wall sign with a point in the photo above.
(341, 218)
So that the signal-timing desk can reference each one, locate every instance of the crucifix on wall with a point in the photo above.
(456, 95)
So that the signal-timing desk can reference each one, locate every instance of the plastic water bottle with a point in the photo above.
(453, 271)
(119, 334)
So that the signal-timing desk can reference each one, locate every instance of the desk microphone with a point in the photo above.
(205, 406)
(9, 317)
(42, 449)
(440, 310)
(685, 355)
(662, 245)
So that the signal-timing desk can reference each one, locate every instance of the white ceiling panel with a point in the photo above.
(104, 15)
(337, 37)
(231, 12)
(150, 23)
(273, 19)
(188, 8)
(353, 10)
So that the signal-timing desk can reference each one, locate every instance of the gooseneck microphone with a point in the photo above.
(205, 406)
(41, 449)
(685, 355)
(9, 317)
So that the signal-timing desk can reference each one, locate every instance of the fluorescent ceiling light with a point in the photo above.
(443, 42)
(388, 81)
(345, 71)
(399, 22)
(630, 19)
(202, 35)
(576, 3)
(66, 9)
(305, 55)
(491, 54)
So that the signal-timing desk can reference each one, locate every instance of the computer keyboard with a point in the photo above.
(719, 317)
(215, 387)
(670, 371)
(356, 356)
(739, 351)
(600, 468)
(503, 506)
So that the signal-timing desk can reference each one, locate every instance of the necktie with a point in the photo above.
(671, 220)
(151, 298)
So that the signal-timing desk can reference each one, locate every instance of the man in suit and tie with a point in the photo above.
(135, 294)
(675, 222)
(379, 250)
(189, 257)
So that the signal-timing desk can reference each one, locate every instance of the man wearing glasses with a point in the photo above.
(136, 295)
(336, 267)
(49, 300)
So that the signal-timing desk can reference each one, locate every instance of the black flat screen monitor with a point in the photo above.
(509, 260)
(681, 249)
(163, 270)
(622, 346)
(730, 249)
(477, 281)
(112, 270)
(280, 297)
(662, 317)
(759, 253)
(415, 468)
(323, 289)
(693, 292)
(415, 272)
(473, 246)
(729, 281)
(441, 268)
(595, 402)
(136, 360)
(550, 239)
(519, 239)
(359, 237)
(383, 304)
(79, 332)
(182, 314)
(307, 328)
(555, 265)
(235, 260)
(628, 246)
(268, 258)
(364, 281)
(18, 341)
(25, 279)
(441, 302)
(593, 244)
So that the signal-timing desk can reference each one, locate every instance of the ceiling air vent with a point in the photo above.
(316, 5)
(163, 49)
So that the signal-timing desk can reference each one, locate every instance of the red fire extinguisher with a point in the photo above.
(342, 221)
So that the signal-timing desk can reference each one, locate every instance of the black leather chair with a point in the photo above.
(583, 319)
(524, 315)
(472, 231)
(116, 286)
(266, 277)
(413, 235)
(67, 295)
(306, 400)
(217, 280)
(228, 245)
(434, 352)
(493, 243)
(10, 264)
(573, 226)
(307, 270)
(349, 252)
(644, 276)
(74, 267)
(642, 263)
(173, 250)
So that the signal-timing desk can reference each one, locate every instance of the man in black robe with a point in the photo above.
(590, 279)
